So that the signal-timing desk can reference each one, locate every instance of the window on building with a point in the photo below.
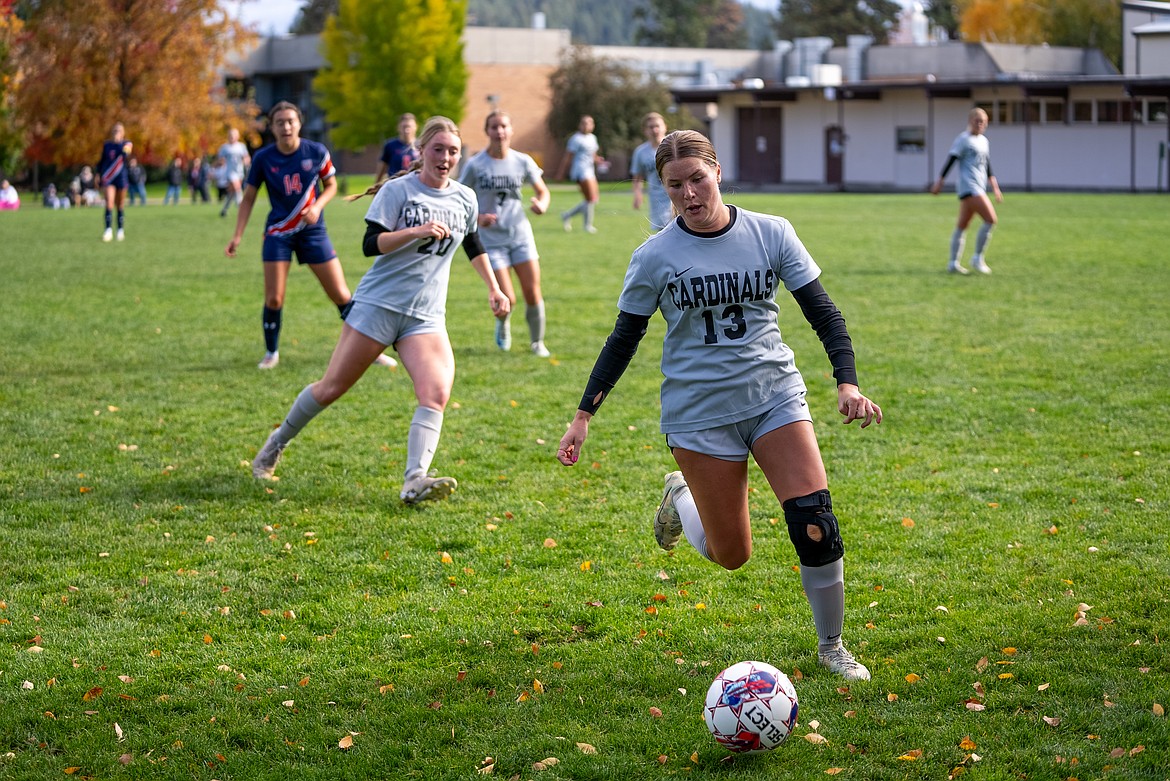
(912, 139)
(1082, 111)
(1108, 111)
(1024, 112)
(1156, 111)
(1054, 113)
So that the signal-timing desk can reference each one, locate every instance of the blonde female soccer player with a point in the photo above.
(414, 225)
(731, 385)
(972, 152)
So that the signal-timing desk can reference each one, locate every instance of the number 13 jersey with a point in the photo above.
(723, 359)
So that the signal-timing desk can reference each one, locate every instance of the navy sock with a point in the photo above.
(272, 329)
(121, 219)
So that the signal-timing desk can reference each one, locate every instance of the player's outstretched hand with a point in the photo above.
(855, 406)
(230, 250)
(569, 450)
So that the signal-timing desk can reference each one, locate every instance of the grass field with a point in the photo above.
(164, 616)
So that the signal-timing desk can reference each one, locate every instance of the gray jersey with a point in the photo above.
(723, 359)
(583, 147)
(642, 164)
(413, 279)
(499, 185)
(974, 156)
(233, 155)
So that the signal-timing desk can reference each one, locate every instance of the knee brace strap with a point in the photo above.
(813, 529)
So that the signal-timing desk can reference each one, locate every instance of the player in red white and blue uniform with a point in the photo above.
(731, 388)
(114, 179)
(300, 179)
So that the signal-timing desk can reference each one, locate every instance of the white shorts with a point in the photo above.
(734, 441)
(387, 327)
(521, 248)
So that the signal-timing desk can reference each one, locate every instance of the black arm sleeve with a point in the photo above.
(370, 241)
(989, 173)
(615, 356)
(950, 161)
(826, 319)
(473, 245)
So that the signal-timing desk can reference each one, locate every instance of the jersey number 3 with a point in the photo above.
(736, 330)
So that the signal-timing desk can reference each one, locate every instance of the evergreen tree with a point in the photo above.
(837, 19)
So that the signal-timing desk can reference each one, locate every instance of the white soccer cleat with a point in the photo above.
(264, 465)
(566, 222)
(121, 235)
(840, 661)
(590, 229)
(540, 351)
(667, 524)
(385, 360)
(955, 268)
(503, 335)
(108, 235)
(269, 361)
(426, 488)
(981, 266)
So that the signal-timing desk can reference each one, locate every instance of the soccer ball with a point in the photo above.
(751, 707)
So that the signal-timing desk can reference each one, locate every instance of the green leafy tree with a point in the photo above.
(837, 19)
(674, 22)
(385, 57)
(1086, 23)
(727, 29)
(617, 97)
(945, 15)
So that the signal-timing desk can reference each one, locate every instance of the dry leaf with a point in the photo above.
(125, 679)
(445, 557)
(981, 665)
(912, 755)
(207, 640)
(550, 543)
(303, 681)
(892, 697)
(387, 688)
(967, 744)
(663, 759)
(834, 771)
(545, 764)
(908, 523)
(655, 712)
(118, 732)
(92, 694)
(1006, 676)
(1136, 750)
(35, 649)
(1051, 721)
(126, 759)
(1042, 687)
(850, 714)
(913, 678)
(537, 686)
(71, 770)
(1159, 710)
(586, 748)
(346, 742)
(288, 703)
(975, 706)
(1117, 753)
(816, 738)
(290, 615)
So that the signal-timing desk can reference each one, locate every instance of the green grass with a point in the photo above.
(1024, 438)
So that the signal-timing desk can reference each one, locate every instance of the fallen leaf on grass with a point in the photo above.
(834, 771)
(816, 738)
(912, 755)
(346, 742)
(975, 705)
(655, 712)
(545, 764)
(118, 731)
(913, 678)
(585, 748)
(892, 697)
(1159, 710)
(126, 759)
(92, 694)
(967, 744)
(1051, 721)
(71, 770)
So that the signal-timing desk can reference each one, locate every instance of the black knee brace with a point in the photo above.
(812, 527)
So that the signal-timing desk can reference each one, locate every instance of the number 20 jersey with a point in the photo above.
(412, 280)
(723, 359)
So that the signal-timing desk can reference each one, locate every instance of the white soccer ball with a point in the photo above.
(751, 707)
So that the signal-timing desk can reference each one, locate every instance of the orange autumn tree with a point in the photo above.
(1003, 21)
(157, 66)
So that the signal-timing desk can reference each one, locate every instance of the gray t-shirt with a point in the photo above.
(499, 185)
(413, 279)
(974, 155)
(723, 359)
(642, 164)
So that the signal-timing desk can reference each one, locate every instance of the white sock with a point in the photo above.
(692, 524)
(825, 589)
(535, 317)
(590, 207)
(423, 440)
(958, 238)
(304, 409)
(981, 240)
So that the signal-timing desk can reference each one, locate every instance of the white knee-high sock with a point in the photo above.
(958, 238)
(580, 207)
(423, 440)
(692, 524)
(981, 239)
(535, 317)
(304, 409)
(825, 588)
(590, 208)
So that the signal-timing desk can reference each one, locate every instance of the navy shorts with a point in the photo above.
(311, 245)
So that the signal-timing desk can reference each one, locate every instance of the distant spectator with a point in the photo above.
(9, 198)
(197, 181)
(52, 200)
(174, 181)
(137, 176)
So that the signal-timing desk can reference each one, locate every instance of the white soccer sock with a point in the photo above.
(692, 524)
(580, 207)
(982, 238)
(825, 588)
(590, 208)
(535, 317)
(423, 440)
(304, 409)
(958, 238)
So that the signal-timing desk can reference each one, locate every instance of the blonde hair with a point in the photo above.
(432, 128)
(496, 112)
(653, 115)
(683, 144)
